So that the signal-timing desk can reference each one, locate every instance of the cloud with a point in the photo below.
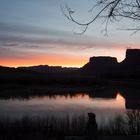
(28, 29)
(37, 36)
(20, 47)
(24, 41)
(7, 40)
(9, 44)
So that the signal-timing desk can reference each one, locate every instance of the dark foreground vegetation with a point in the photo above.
(37, 128)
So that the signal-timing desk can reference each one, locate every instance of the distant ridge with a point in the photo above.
(105, 65)
(48, 69)
(132, 57)
(102, 66)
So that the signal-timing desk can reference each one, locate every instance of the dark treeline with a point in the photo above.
(27, 91)
(17, 90)
(12, 90)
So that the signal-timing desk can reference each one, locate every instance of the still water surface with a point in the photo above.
(60, 106)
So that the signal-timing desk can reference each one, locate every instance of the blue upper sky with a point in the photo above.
(37, 29)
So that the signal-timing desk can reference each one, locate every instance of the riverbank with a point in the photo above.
(130, 137)
(60, 128)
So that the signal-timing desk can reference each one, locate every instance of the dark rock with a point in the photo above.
(131, 64)
(105, 60)
(100, 65)
(132, 57)
(108, 67)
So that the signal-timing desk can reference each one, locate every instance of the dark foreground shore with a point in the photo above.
(74, 128)
(119, 137)
(137, 137)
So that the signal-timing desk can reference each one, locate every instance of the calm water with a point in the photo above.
(59, 105)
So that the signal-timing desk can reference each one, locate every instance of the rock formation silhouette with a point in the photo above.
(132, 57)
(131, 64)
(101, 66)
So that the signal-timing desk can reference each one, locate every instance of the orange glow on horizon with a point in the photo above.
(64, 61)
(84, 100)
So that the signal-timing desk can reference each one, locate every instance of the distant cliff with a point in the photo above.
(131, 63)
(102, 66)
(132, 57)
(99, 66)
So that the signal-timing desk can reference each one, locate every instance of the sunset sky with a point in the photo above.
(34, 32)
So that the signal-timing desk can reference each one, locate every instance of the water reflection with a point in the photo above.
(132, 98)
(60, 105)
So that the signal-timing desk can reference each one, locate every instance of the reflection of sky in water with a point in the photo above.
(61, 106)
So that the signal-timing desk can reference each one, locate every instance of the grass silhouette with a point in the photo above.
(54, 127)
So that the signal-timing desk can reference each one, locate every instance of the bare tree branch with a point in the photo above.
(109, 9)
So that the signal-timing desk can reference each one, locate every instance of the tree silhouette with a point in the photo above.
(110, 10)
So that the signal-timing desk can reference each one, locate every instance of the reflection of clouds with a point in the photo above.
(60, 105)
(9, 44)
(118, 103)
(120, 100)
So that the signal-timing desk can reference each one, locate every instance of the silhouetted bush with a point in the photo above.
(115, 126)
(133, 118)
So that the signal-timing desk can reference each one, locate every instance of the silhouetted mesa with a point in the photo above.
(100, 65)
(108, 67)
(132, 57)
(131, 64)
